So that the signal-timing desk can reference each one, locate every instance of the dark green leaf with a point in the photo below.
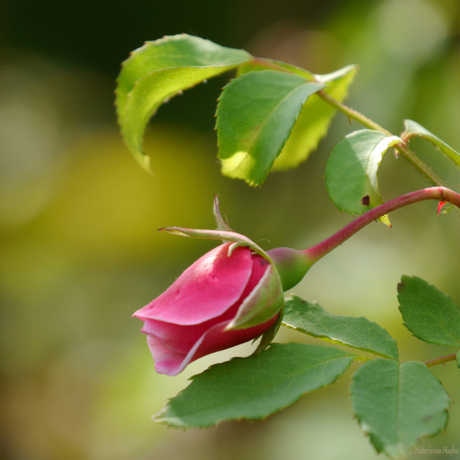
(351, 171)
(160, 70)
(414, 129)
(255, 387)
(458, 359)
(428, 313)
(255, 116)
(398, 404)
(310, 318)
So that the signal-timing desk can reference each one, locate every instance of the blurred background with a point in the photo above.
(79, 251)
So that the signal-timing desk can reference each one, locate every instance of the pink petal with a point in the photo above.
(183, 338)
(166, 361)
(259, 267)
(171, 362)
(205, 290)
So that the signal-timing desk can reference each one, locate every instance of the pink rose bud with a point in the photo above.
(227, 297)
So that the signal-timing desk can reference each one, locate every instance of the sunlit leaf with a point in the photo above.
(316, 115)
(351, 171)
(255, 116)
(160, 70)
(310, 318)
(397, 404)
(428, 313)
(315, 118)
(414, 129)
(255, 387)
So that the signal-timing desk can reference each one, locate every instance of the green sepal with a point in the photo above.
(221, 223)
(262, 304)
(237, 238)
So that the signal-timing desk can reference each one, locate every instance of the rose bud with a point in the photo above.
(227, 297)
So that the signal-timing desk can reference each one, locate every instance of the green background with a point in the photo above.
(79, 251)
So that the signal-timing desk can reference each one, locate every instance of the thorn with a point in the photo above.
(440, 205)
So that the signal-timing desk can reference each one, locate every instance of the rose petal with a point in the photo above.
(182, 338)
(205, 290)
(166, 361)
(171, 362)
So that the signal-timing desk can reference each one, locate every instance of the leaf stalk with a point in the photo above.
(441, 360)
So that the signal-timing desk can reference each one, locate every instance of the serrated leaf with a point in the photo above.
(255, 116)
(428, 313)
(351, 170)
(316, 115)
(397, 404)
(255, 387)
(160, 70)
(412, 128)
(315, 118)
(310, 318)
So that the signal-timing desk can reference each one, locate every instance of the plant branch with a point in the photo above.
(402, 148)
(352, 113)
(441, 360)
(433, 193)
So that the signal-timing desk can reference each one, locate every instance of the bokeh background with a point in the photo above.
(79, 251)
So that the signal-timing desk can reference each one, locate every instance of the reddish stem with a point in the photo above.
(432, 193)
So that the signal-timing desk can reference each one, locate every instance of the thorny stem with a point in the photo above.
(441, 360)
(432, 193)
(352, 113)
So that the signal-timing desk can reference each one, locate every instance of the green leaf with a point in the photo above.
(310, 318)
(315, 117)
(428, 313)
(160, 70)
(351, 171)
(414, 129)
(398, 404)
(458, 359)
(255, 116)
(255, 387)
